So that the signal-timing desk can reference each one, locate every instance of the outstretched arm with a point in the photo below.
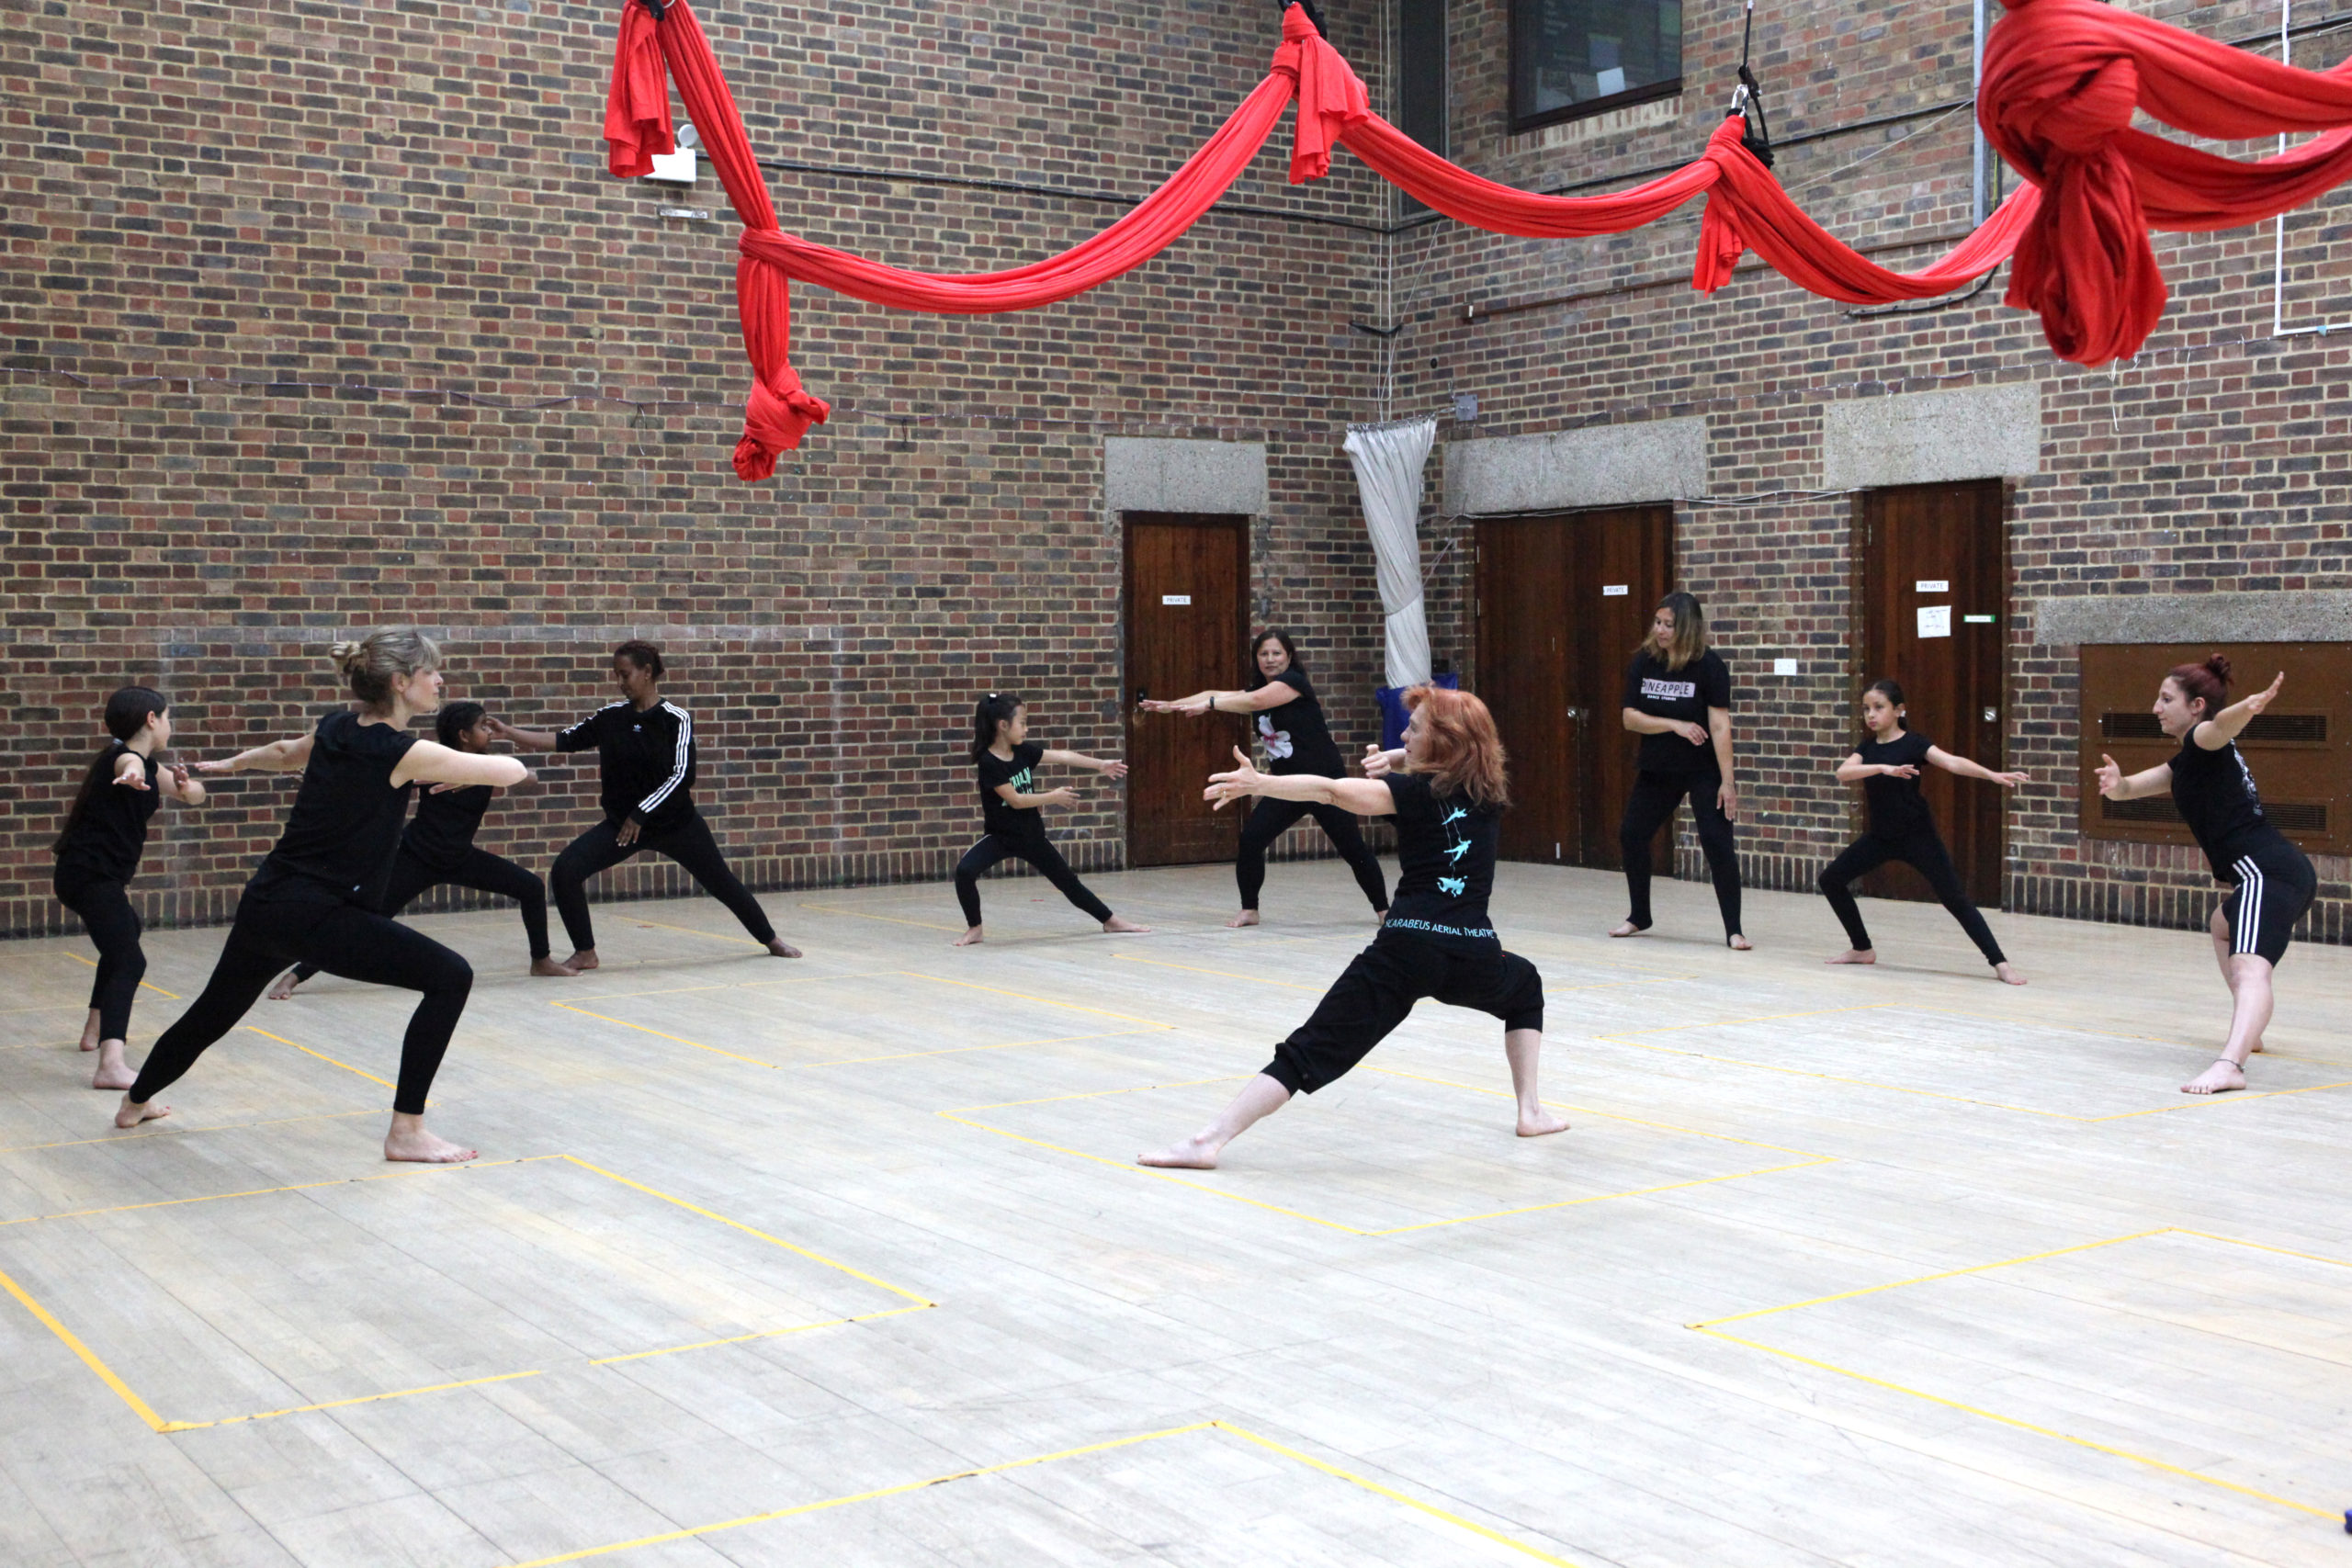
(2226, 726)
(277, 757)
(1968, 770)
(520, 739)
(179, 785)
(1272, 694)
(1379, 765)
(1364, 797)
(2114, 784)
(1853, 770)
(1109, 767)
(429, 761)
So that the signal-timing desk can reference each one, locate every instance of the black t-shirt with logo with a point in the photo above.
(345, 825)
(1897, 809)
(1683, 696)
(1445, 859)
(999, 814)
(112, 833)
(2215, 792)
(1295, 737)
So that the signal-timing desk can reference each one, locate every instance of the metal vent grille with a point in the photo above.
(2148, 809)
(2129, 726)
(2287, 816)
(2296, 816)
(2274, 728)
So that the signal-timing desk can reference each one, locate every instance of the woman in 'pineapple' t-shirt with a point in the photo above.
(1678, 699)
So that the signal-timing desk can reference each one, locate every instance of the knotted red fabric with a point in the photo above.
(2061, 79)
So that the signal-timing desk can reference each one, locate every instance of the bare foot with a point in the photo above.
(1855, 955)
(583, 961)
(2220, 1078)
(90, 1031)
(1536, 1124)
(1245, 917)
(416, 1144)
(1626, 928)
(1193, 1154)
(969, 938)
(129, 1115)
(1118, 926)
(552, 968)
(2007, 975)
(282, 988)
(779, 948)
(1737, 943)
(113, 1071)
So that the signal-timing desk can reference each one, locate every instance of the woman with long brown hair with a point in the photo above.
(1678, 699)
(1446, 788)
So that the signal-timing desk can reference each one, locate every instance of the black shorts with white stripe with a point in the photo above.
(2274, 885)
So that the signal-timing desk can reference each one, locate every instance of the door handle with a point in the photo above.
(1141, 697)
(1576, 713)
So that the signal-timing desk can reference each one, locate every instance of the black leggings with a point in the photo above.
(482, 871)
(689, 843)
(1268, 821)
(113, 924)
(1039, 851)
(342, 939)
(1378, 990)
(1925, 853)
(1648, 808)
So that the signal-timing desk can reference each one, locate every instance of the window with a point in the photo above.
(1570, 58)
(1420, 72)
(2299, 749)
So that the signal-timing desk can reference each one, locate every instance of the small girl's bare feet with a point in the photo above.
(583, 961)
(1538, 1122)
(90, 1031)
(1118, 926)
(2007, 973)
(127, 1115)
(2222, 1077)
(1626, 928)
(1245, 917)
(779, 948)
(282, 988)
(1855, 955)
(549, 967)
(971, 938)
(1738, 942)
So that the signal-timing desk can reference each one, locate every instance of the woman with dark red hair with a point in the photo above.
(1446, 789)
(2271, 882)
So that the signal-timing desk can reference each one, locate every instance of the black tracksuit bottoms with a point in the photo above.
(1925, 853)
(342, 939)
(482, 872)
(689, 843)
(1376, 992)
(1648, 808)
(104, 904)
(1038, 851)
(1270, 818)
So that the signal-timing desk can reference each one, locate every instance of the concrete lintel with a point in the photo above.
(1917, 438)
(1565, 470)
(2314, 614)
(1155, 474)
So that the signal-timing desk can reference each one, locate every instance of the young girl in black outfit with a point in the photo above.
(2270, 882)
(314, 898)
(1901, 827)
(1291, 728)
(646, 759)
(1007, 762)
(1678, 699)
(1447, 789)
(97, 854)
(438, 846)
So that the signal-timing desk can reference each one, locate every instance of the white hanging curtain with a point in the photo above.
(1388, 460)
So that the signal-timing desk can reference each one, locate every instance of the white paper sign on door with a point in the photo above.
(1615, 590)
(1935, 620)
(1934, 586)
(1187, 598)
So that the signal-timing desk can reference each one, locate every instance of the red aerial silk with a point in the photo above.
(2062, 79)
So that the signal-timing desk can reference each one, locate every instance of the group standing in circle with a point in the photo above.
(1678, 699)
(1296, 738)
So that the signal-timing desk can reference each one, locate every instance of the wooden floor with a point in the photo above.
(1889, 1267)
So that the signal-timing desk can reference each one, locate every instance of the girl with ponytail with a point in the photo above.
(98, 853)
(1012, 813)
(2271, 884)
(313, 899)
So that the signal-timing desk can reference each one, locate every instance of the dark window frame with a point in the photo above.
(1523, 121)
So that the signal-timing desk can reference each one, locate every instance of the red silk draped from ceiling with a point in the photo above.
(2062, 79)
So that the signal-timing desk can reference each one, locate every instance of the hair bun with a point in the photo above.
(348, 656)
(2219, 664)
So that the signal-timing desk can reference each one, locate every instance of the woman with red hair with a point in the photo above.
(1446, 789)
(2271, 882)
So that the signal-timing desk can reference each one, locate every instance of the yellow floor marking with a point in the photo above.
(143, 985)
(958, 1116)
(1626, 1037)
(1711, 1328)
(878, 1492)
(1610, 1115)
(322, 1055)
(691, 930)
(886, 920)
(160, 1130)
(147, 1414)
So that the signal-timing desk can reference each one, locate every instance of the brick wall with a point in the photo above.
(325, 315)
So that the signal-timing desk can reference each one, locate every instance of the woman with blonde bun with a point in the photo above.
(313, 899)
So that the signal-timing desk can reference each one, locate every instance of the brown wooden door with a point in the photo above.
(1935, 612)
(1563, 601)
(1187, 622)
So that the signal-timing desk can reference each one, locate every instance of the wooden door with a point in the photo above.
(1935, 611)
(1563, 601)
(1187, 624)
